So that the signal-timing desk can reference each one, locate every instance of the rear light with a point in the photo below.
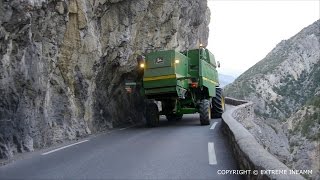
(194, 84)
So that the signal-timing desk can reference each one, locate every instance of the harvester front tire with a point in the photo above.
(152, 115)
(218, 104)
(205, 112)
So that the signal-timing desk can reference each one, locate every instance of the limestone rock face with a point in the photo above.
(63, 63)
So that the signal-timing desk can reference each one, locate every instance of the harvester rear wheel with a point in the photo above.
(218, 104)
(152, 115)
(205, 112)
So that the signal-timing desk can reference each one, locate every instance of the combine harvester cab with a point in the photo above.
(184, 83)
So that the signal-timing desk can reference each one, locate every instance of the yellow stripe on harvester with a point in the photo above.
(159, 77)
(206, 79)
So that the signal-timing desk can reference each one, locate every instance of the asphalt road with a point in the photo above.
(175, 150)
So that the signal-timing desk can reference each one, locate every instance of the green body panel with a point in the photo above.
(158, 71)
(160, 91)
(211, 58)
(202, 66)
(193, 68)
(160, 83)
(162, 73)
(208, 77)
(210, 73)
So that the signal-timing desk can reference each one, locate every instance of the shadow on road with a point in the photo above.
(187, 121)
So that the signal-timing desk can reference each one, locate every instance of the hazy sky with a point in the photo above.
(244, 32)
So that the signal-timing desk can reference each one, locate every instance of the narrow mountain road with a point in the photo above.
(175, 150)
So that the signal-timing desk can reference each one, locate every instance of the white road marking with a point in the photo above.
(213, 125)
(64, 147)
(212, 154)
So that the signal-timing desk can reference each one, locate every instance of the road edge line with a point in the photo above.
(58, 149)
(213, 125)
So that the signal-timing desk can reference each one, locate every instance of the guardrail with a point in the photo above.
(248, 152)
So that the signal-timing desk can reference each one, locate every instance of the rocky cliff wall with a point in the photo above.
(63, 63)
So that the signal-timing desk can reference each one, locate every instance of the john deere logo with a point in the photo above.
(159, 60)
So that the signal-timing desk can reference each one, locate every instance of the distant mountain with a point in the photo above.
(285, 87)
(225, 79)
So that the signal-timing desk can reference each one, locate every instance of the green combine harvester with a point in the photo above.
(184, 82)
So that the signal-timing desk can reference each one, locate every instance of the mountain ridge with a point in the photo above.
(285, 87)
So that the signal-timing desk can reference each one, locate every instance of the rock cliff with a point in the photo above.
(63, 63)
(285, 88)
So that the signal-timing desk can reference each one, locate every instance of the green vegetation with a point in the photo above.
(306, 176)
(261, 114)
(314, 101)
(309, 121)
